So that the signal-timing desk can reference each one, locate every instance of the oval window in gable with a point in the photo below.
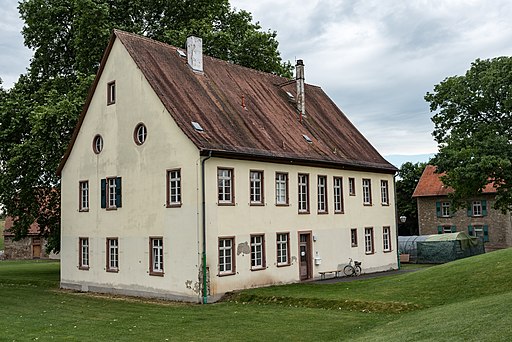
(97, 144)
(140, 134)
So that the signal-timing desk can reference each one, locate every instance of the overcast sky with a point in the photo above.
(375, 58)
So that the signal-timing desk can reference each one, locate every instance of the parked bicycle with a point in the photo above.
(352, 270)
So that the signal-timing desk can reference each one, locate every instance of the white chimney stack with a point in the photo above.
(299, 77)
(195, 53)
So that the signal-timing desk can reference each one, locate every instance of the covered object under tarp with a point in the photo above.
(440, 248)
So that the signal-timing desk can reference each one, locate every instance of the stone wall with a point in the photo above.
(22, 249)
(499, 225)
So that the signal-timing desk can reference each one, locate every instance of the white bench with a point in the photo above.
(336, 273)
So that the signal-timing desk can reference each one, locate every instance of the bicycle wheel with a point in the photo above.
(358, 270)
(348, 270)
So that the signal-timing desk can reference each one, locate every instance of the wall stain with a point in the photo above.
(294, 259)
(188, 284)
(243, 248)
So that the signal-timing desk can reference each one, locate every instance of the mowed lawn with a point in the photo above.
(466, 300)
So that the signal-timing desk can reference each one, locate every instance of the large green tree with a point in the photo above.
(68, 37)
(473, 128)
(408, 176)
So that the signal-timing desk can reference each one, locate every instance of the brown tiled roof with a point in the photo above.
(33, 230)
(268, 128)
(430, 184)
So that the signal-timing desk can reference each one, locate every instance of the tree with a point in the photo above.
(408, 177)
(38, 114)
(473, 128)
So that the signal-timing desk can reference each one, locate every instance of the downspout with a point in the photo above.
(396, 223)
(203, 193)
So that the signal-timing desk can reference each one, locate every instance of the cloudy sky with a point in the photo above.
(375, 58)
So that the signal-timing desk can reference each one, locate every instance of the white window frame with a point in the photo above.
(257, 252)
(111, 193)
(283, 249)
(386, 239)
(111, 92)
(445, 209)
(322, 194)
(303, 193)
(368, 240)
(225, 186)
(353, 237)
(84, 195)
(367, 191)
(256, 187)
(351, 186)
(338, 195)
(157, 255)
(112, 254)
(84, 253)
(477, 208)
(384, 192)
(226, 256)
(281, 188)
(174, 188)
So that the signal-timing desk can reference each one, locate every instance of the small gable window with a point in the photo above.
(111, 92)
(97, 144)
(140, 134)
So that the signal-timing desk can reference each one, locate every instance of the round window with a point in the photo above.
(140, 134)
(97, 144)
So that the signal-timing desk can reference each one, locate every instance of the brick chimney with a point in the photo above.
(195, 53)
(299, 77)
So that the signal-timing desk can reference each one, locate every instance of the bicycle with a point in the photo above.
(350, 270)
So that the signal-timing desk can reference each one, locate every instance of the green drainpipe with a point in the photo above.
(205, 280)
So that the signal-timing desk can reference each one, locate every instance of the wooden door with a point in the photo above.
(305, 256)
(36, 248)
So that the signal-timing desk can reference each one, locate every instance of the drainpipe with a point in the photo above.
(203, 193)
(396, 223)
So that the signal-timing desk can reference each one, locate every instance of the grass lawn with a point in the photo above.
(467, 300)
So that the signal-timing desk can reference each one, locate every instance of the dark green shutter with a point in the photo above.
(439, 229)
(103, 193)
(118, 192)
(470, 230)
(454, 229)
(484, 208)
(470, 210)
(438, 209)
(486, 234)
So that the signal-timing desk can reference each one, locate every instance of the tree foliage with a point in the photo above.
(68, 37)
(408, 177)
(473, 127)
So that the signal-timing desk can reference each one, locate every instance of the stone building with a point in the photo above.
(31, 247)
(436, 214)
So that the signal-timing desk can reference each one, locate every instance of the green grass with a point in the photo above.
(467, 300)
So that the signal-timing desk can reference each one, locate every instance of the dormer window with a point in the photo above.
(111, 92)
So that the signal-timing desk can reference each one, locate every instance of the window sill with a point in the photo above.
(352, 194)
(353, 246)
(173, 205)
(83, 268)
(339, 212)
(389, 251)
(283, 265)
(369, 253)
(156, 274)
(226, 274)
(322, 212)
(303, 212)
(282, 205)
(83, 210)
(113, 270)
(226, 204)
(259, 268)
(367, 204)
(111, 208)
(257, 204)
(385, 204)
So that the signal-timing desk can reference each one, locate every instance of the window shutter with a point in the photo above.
(103, 193)
(454, 229)
(486, 234)
(439, 229)
(484, 208)
(438, 209)
(118, 192)
(470, 210)
(470, 230)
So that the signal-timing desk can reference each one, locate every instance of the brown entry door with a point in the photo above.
(305, 256)
(36, 248)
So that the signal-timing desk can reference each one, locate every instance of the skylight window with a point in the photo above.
(181, 53)
(197, 126)
(308, 139)
(290, 95)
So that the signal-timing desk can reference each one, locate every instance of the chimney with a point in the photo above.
(195, 53)
(299, 77)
